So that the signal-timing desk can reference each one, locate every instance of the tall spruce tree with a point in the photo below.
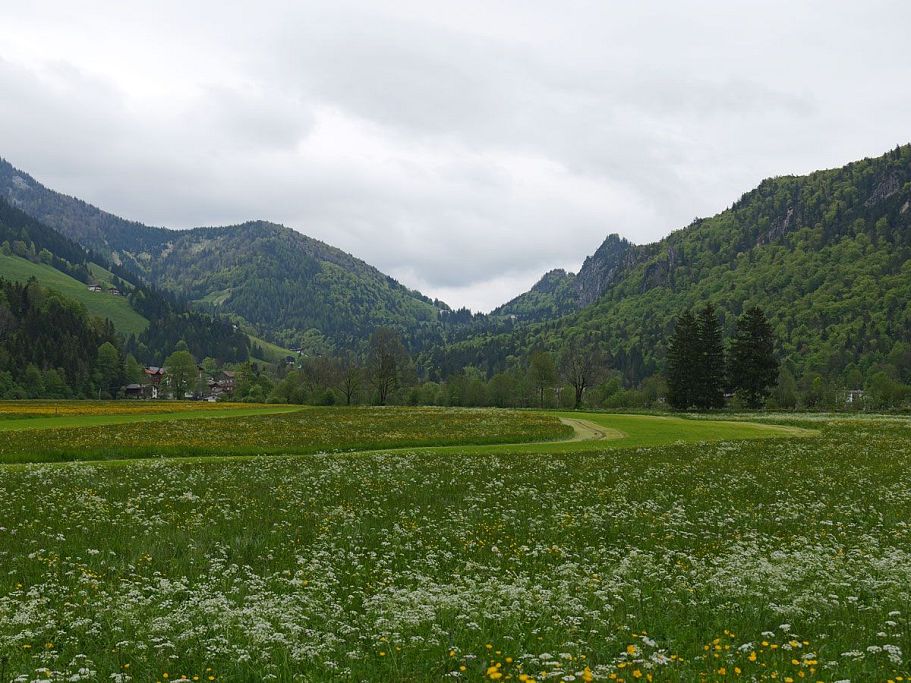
(753, 369)
(710, 374)
(682, 360)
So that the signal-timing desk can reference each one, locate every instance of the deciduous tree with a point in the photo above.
(386, 359)
(542, 372)
(180, 368)
(581, 365)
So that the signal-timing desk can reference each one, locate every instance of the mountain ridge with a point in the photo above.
(826, 255)
(234, 269)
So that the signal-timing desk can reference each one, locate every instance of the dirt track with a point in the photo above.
(589, 431)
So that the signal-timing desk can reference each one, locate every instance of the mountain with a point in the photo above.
(552, 296)
(826, 255)
(150, 321)
(277, 279)
(559, 293)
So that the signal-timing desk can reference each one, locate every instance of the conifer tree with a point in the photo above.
(710, 375)
(753, 366)
(682, 359)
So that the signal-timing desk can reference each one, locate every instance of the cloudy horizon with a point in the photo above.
(463, 148)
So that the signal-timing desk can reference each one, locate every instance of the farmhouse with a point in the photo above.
(222, 382)
(154, 375)
(132, 391)
(95, 288)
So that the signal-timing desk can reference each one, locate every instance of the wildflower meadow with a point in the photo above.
(776, 559)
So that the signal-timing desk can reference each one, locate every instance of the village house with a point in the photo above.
(153, 376)
(95, 288)
(222, 383)
(133, 391)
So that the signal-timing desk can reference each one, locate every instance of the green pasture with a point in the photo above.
(290, 430)
(101, 304)
(13, 423)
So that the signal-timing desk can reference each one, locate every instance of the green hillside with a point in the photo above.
(554, 295)
(285, 283)
(270, 353)
(277, 279)
(827, 256)
(116, 308)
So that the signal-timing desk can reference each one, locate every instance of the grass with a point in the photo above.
(763, 559)
(115, 308)
(273, 352)
(119, 430)
(264, 430)
(68, 423)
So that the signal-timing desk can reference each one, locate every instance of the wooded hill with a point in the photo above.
(827, 256)
(31, 250)
(277, 279)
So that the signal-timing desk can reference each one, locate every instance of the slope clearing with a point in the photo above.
(116, 308)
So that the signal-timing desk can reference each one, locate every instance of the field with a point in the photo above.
(646, 549)
(103, 305)
(265, 430)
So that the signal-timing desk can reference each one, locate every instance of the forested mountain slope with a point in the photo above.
(285, 283)
(281, 281)
(552, 296)
(827, 256)
(29, 249)
(103, 305)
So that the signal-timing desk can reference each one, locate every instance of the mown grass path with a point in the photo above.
(586, 430)
(595, 432)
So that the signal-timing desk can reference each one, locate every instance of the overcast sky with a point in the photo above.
(463, 147)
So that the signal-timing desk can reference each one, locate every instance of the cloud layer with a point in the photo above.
(463, 147)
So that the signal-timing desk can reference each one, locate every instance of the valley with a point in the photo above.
(557, 558)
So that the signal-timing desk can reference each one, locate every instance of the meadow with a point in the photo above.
(115, 308)
(260, 430)
(757, 557)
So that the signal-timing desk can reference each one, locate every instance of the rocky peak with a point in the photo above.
(603, 268)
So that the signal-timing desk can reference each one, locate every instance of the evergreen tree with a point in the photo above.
(709, 381)
(753, 366)
(682, 360)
